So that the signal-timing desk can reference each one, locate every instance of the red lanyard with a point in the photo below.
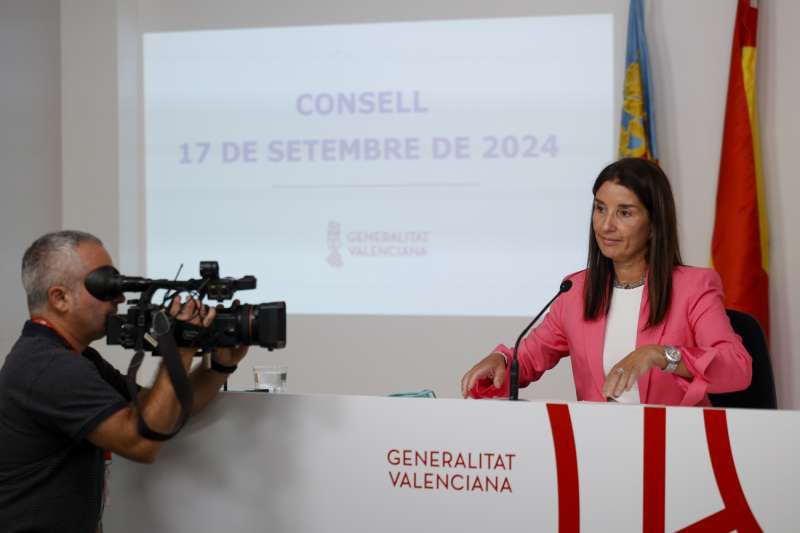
(43, 322)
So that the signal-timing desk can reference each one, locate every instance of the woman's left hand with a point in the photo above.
(633, 366)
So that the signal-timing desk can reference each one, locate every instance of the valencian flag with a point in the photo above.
(739, 248)
(637, 135)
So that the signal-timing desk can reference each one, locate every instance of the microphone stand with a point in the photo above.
(513, 389)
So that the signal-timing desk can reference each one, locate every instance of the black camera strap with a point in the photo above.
(165, 339)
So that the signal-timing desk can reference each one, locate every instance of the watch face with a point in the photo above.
(672, 354)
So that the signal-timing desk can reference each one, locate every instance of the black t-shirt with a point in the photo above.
(51, 477)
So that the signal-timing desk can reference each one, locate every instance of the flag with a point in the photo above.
(739, 247)
(637, 135)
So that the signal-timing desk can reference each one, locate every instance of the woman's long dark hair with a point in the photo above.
(649, 183)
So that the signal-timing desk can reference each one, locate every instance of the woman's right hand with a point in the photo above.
(493, 366)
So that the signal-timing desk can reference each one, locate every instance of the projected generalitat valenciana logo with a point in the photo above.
(366, 243)
(335, 244)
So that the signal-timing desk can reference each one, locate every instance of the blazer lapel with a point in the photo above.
(645, 335)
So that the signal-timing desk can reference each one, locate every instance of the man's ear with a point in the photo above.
(59, 298)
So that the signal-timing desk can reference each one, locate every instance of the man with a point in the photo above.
(62, 404)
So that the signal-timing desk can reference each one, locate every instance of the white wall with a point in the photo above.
(779, 78)
(690, 50)
(90, 125)
(30, 145)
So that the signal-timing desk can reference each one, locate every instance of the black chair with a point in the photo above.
(761, 392)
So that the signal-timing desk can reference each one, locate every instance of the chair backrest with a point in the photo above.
(761, 392)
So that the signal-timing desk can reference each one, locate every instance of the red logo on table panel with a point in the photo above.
(736, 515)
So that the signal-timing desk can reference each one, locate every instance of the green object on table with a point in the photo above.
(424, 393)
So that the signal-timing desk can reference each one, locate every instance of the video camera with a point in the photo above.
(249, 324)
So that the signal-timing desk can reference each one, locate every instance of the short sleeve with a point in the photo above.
(109, 374)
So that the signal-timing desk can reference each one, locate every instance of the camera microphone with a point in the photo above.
(107, 284)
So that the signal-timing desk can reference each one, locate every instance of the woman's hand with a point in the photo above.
(492, 366)
(633, 366)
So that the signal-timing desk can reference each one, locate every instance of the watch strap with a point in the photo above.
(222, 369)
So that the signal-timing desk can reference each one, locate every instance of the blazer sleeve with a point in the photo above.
(718, 361)
(543, 348)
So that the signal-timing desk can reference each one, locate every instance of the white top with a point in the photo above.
(621, 325)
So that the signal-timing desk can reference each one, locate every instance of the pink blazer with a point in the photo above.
(696, 323)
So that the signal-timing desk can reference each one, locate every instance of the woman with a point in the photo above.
(639, 326)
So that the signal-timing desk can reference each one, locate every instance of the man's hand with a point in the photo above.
(192, 312)
(228, 356)
(197, 314)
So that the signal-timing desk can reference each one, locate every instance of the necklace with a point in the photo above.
(630, 284)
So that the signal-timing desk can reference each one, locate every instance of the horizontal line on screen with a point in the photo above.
(377, 185)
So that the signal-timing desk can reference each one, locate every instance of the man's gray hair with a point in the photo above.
(51, 260)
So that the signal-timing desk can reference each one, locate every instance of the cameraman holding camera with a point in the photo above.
(62, 405)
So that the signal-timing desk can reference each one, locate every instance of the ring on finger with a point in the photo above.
(620, 370)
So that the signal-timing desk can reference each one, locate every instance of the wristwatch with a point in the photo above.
(673, 356)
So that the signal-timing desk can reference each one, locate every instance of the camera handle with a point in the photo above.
(164, 336)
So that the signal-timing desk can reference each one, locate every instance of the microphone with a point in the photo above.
(106, 283)
(514, 377)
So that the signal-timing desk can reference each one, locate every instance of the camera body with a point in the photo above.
(237, 325)
(259, 324)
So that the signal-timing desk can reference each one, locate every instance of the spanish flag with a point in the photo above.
(637, 134)
(739, 247)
